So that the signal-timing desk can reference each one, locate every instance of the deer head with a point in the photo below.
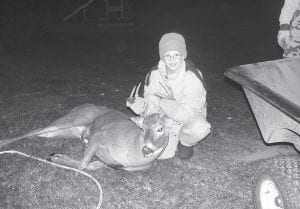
(155, 131)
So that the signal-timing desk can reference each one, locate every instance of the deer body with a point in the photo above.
(117, 140)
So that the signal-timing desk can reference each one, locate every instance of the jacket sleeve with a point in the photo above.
(152, 102)
(193, 100)
(288, 11)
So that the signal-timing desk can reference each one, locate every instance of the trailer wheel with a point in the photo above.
(278, 185)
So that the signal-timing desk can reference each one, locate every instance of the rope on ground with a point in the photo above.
(60, 166)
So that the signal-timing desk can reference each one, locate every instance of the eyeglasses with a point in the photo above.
(174, 57)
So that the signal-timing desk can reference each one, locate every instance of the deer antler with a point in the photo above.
(134, 93)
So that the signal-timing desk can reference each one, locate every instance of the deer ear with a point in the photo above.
(138, 120)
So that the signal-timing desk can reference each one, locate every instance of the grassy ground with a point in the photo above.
(47, 68)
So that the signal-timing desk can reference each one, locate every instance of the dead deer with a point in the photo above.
(119, 141)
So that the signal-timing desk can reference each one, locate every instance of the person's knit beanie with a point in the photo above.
(172, 42)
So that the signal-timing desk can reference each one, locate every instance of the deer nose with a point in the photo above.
(147, 151)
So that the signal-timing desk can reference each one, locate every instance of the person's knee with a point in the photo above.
(199, 128)
(194, 132)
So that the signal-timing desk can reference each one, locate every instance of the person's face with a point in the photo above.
(173, 60)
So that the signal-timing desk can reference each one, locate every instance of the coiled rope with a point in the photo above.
(60, 166)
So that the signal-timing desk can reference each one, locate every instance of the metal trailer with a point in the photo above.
(273, 92)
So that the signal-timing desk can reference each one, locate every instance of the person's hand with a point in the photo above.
(135, 102)
(169, 107)
(137, 105)
(283, 38)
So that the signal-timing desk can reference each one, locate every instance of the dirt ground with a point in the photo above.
(48, 67)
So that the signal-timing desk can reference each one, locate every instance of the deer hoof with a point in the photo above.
(54, 157)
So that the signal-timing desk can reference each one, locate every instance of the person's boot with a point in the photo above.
(184, 152)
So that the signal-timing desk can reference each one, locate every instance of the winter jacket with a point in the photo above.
(187, 87)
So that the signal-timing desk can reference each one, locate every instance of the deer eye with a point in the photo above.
(160, 130)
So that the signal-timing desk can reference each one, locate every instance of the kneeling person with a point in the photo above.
(175, 87)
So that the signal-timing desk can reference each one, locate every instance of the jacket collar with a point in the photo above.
(163, 71)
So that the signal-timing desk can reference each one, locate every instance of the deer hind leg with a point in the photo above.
(82, 115)
(76, 124)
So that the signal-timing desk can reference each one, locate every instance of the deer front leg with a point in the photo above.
(63, 160)
(82, 164)
(88, 155)
(70, 162)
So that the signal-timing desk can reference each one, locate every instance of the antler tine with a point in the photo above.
(137, 90)
(132, 92)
